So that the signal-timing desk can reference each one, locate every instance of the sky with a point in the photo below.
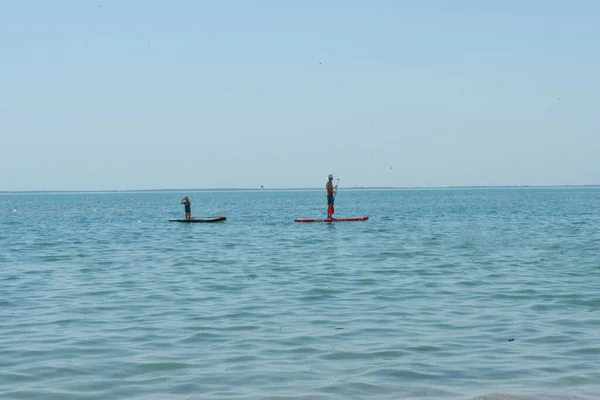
(144, 94)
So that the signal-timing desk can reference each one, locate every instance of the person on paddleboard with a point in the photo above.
(188, 207)
(330, 196)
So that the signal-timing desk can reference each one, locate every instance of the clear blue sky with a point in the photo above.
(147, 94)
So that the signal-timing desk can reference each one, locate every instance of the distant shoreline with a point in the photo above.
(301, 189)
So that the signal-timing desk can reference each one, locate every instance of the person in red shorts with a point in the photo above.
(331, 190)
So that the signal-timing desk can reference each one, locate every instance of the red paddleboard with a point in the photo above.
(363, 218)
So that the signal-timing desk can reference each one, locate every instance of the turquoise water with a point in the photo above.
(442, 294)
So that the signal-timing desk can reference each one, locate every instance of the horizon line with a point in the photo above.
(314, 188)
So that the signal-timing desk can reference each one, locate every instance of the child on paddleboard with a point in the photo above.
(188, 207)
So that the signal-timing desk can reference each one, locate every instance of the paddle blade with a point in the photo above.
(331, 209)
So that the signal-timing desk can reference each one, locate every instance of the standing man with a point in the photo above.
(188, 207)
(331, 190)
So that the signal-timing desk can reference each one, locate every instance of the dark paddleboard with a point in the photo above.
(363, 218)
(210, 219)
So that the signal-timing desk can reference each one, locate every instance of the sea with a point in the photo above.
(451, 293)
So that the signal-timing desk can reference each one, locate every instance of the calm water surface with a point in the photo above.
(442, 294)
